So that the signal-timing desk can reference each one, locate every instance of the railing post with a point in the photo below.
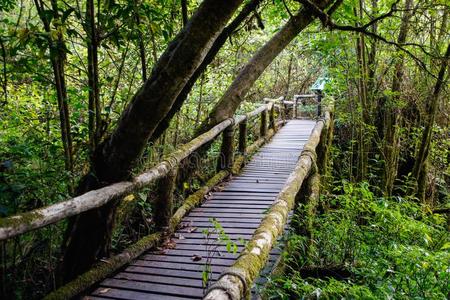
(226, 156)
(163, 204)
(319, 104)
(272, 117)
(263, 127)
(294, 108)
(243, 137)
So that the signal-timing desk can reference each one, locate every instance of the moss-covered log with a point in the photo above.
(226, 156)
(263, 125)
(163, 204)
(104, 269)
(323, 150)
(242, 137)
(235, 282)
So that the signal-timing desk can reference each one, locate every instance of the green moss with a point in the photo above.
(21, 219)
(195, 199)
(238, 162)
(104, 269)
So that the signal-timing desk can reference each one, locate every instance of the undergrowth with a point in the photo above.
(366, 247)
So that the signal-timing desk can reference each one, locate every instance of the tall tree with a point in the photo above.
(421, 162)
(94, 107)
(391, 146)
(58, 59)
(89, 234)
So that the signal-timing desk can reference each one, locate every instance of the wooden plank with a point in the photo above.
(226, 215)
(223, 224)
(200, 235)
(227, 210)
(216, 261)
(202, 242)
(125, 294)
(196, 247)
(202, 253)
(153, 288)
(222, 219)
(243, 194)
(168, 272)
(243, 179)
(176, 266)
(219, 206)
(159, 279)
(226, 230)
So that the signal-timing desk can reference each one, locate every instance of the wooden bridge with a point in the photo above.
(224, 242)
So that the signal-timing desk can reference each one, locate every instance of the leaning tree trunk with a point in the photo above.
(419, 171)
(218, 43)
(89, 234)
(236, 92)
(391, 143)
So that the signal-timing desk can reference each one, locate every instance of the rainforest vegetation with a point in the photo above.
(95, 92)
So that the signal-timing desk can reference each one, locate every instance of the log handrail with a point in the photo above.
(25, 222)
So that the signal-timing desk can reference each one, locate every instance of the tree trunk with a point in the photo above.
(218, 43)
(93, 82)
(288, 83)
(236, 92)
(419, 171)
(371, 57)
(88, 235)
(391, 142)
(184, 12)
(57, 59)
(364, 141)
(4, 80)
(200, 100)
(141, 43)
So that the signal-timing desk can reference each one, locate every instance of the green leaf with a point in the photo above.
(66, 14)
(446, 246)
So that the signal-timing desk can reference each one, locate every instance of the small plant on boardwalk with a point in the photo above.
(212, 247)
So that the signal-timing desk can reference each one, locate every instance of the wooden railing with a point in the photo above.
(28, 221)
(293, 104)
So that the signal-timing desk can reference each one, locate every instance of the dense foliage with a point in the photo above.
(367, 247)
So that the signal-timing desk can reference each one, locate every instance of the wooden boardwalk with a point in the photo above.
(176, 272)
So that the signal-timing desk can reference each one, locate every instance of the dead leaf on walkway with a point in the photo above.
(196, 257)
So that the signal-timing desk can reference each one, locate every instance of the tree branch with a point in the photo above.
(327, 22)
